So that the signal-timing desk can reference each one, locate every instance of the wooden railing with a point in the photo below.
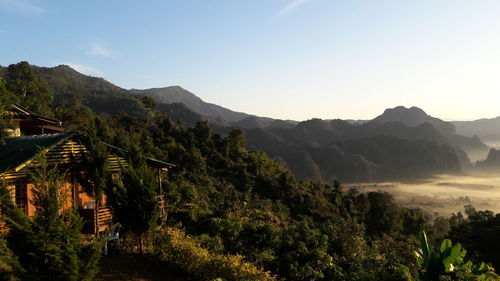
(96, 220)
(104, 218)
(3, 227)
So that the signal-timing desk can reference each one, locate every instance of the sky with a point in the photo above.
(287, 59)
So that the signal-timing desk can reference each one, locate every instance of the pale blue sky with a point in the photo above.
(290, 59)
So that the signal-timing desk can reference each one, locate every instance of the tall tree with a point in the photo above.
(97, 177)
(134, 195)
(149, 104)
(10, 268)
(5, 98)
(49, 245)
(30, 90)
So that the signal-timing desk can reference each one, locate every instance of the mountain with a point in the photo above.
(252, 122)
(176, 94)
(487, 129)
(415, 116)
(98, 94)
(315, 149)
(328, 150)
(66, 80)
(492, 162)
(104, 97)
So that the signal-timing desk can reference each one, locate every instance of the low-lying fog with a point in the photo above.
(483, 154)
(494, 144)
(444, 194)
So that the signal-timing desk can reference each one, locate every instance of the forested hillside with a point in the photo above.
(400, 144)
(329, 150)
(237, 214)
(415, 116)
(486, 129)
(176, 94)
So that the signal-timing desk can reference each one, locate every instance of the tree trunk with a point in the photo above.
(140, 244)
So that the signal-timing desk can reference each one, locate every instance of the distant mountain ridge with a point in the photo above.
(415, 116)
(400, 143)
(487, 129)
(327, 150)
(492, 162)
(105, 97)
(176, 94)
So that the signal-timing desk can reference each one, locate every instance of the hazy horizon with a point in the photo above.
(285, 59)
(444, 194)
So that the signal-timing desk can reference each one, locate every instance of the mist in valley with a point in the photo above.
(444, 194)
(493, 144)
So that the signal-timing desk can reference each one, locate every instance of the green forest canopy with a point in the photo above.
(233, 201)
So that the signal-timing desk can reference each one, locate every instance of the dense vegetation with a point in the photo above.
(247, 214)
(47, 246)
(327, 150)
(396, 145)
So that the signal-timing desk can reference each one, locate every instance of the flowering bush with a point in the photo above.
(174, 246)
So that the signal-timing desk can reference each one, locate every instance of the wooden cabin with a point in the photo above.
(18, 155)
(24, 122)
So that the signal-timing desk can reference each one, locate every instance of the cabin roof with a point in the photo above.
(150, 161)
(20, 112)
(19, 150)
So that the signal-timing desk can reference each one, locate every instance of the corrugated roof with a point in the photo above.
(19, 112)
(151, 161)
(17, 151)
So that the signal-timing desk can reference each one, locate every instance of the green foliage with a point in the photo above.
(243, 202)
(49, 246)
(479, 232)
(303, 253)
(10, 268)
(149, 104)
(76, 116)
(133, 195)
(173, 246)
(5, 100)
(323, 150)
(92, 168)
(382, 216)
(29, 89)
(448, 260)
(237, 202)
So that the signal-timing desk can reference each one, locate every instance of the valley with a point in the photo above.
(277, 192)
(402, 143)
(443, 194)
(284, 140)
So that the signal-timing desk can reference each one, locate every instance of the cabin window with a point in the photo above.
(89, 205)
(21, 195)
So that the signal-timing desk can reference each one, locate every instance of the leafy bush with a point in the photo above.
(174, 246)
(47, 246)
(448, 262)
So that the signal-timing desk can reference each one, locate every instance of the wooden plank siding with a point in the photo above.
(97, 220)
(97, 217)
(61, 155)
(104, 218)
(3, 226)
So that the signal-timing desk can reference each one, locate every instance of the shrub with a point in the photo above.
(174, 246)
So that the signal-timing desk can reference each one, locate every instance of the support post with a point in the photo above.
(160, 188)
